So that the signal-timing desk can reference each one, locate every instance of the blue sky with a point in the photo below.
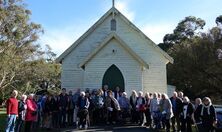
(64, 21)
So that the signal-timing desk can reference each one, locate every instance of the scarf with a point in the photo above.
(208, 108)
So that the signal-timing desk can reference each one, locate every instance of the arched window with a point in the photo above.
(113, 25)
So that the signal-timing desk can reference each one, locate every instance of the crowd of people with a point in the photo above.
(86, 108)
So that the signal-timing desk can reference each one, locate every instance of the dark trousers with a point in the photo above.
(62, 117)
(166, 123)
(19, 125)
(82, 114)
(186, 125)
(207, 126)
(55, 119)
(148, 117)
(135, 116)
(28, 126)
(176, 119)
(112, 116)
(141, 117)
(98, 115)
(70, 116)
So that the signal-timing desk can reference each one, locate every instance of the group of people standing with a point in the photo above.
(85, 108)
(19, 112)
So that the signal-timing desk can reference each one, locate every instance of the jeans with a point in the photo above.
(11, 123)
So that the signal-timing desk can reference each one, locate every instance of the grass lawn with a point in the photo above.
(2, 119)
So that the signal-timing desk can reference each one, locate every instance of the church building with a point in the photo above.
(114, 52)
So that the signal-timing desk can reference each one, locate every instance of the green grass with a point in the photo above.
(2, 119)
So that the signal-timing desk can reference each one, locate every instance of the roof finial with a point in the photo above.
(113, 3)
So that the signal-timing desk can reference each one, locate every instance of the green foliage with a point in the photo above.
(2, 119)
(24, 65)
(186, 29)
(197, 62)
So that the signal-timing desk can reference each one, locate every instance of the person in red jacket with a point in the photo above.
(12, 111)
(31, 112)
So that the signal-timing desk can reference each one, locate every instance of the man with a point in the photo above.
(12, 111)
(105, 90)
(63, 107)
(70, 108)
(117, 93)
(75, 100)
(177, 108)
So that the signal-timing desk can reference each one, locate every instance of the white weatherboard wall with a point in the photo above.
(129, 67)
(135, 76)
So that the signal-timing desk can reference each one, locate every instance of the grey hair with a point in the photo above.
(83, 93)
(31, 95)
(165, 95)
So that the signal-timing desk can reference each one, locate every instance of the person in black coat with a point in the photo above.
(134, 113)
(117, 93)
(21, 113)
(63, 107)
(186, 115)
(205, 116)
(177, 108)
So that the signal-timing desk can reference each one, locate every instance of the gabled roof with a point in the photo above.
(121, 42)
(101, 20)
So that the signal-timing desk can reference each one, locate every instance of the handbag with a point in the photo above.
(142, 108)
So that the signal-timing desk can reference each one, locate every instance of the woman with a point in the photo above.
(112, 106)
(167, 111)
(31, 113)
(83, 105)
(155, 111)
(147, 111)
(98, 103)
(48, 110)
(205, 116)
(124, 106)
(198, 102)
(186, 115)
(140, 105)
(21, 113)
(134, 113)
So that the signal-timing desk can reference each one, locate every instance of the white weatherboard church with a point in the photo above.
(114, 52)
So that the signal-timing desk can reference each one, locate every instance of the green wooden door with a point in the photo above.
(113, 78)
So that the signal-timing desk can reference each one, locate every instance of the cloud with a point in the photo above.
(123, 7)
(157, 31)
(60, 38)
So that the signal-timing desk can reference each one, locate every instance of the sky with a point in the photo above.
(64, 21)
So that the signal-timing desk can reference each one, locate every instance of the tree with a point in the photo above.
(197, 67)
(23, 62)
(219, 20)
(185, 30)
